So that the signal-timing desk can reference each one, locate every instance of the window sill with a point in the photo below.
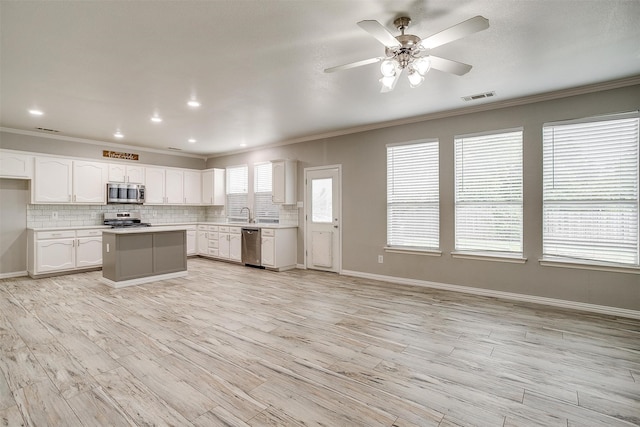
(490, 256)
(412, 251)
(587, 265)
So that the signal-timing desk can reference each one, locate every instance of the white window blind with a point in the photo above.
(265, 210)
(413, 200)
(590, 189)
(237, 191)
(488, 193)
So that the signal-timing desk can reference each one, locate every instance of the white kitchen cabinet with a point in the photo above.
(230, 243)
(58, 180)
(279, 248)
(89, 182)
(62, 251)
(154, 186)
(15, 165)
(213, 191)
(202, 240)
(214, 240)
(284, 174)
(192, 246)
(52, 180)
(192, 187)
(126, 173)
(174, 187)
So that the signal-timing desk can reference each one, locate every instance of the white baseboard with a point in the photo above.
(142, 280)
(575, 305)
(13, 274)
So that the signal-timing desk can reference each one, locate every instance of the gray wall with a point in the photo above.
(61, 147)
(14, 196)
(363, 159)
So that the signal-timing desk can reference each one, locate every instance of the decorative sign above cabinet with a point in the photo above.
(117, 155)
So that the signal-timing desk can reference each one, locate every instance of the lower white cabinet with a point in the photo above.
(279, 248)
(192, 239)
(230, 243)
(62, 251)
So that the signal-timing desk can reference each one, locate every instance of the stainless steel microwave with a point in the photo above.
(119, 192)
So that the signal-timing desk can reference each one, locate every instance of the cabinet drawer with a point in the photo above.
(213, 228)
(88, 233)
(235, 230)
(213, 251)
(223, 229)
(268, 232)
(203, 227)
(66, 234)
(213, 243)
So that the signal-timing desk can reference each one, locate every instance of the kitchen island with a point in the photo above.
(133, 256)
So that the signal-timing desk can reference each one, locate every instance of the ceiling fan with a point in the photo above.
(411, 53)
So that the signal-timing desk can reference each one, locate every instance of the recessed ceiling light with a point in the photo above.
(156, 119)
(36, 112)
(193, 103)
(243, 145)
(192, 141)
(118, 134)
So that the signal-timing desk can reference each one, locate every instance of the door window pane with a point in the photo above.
(322, 200)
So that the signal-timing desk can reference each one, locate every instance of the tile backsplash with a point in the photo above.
(39, 216)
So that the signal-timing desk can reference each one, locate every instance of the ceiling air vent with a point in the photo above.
(479, 96)
(48, 130)
(175, 149)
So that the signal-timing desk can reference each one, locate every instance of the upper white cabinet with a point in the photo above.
(213, 191)
(126, 173)
(15, 165)
(284, 174)
(58, 180)
(174, 186)
(154, 186)
(192, 187)
(89, 182)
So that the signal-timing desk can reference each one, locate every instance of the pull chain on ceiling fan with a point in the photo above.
(409, 52)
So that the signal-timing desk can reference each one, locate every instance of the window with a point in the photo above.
(590, 189)
(265, 210)
(488, 193)
(237, 192)
(413, 200)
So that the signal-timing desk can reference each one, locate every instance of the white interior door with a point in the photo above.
(323, 217)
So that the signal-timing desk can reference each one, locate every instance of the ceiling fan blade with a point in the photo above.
(458, 31)
(449, 66)
(378, 31)
(353, 65)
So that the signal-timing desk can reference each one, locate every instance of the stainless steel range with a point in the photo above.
(124, 219)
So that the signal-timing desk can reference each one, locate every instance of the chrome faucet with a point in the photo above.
(250, 220)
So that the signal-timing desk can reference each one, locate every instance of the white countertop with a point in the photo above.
(184, 226)
(72, 227)
(140, 230)
(248, 224)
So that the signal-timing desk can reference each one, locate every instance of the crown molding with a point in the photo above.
(100, 143)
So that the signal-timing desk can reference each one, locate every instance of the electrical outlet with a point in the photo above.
(54, 215)
(380, 259)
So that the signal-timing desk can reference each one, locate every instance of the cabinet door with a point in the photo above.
(52, 181)
(235, 247)
(203, 243)
(135, 174)
(278, 182)
(174, 181)
(89, 252)
(154, 187)
(117, 173)
(223, 245)
(55, 255)
(192, 248)
(213, 191)
(268, 251)
(89, 182)
(15, 165)
(192, 187)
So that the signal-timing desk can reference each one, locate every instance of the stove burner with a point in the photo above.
(124, 220)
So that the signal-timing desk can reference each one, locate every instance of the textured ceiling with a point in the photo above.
(94, 67)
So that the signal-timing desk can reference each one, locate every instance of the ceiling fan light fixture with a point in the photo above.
(388, 68)
(422, 65)
(415, 78)
(388, 82)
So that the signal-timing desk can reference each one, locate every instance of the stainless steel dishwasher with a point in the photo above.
(251, 247)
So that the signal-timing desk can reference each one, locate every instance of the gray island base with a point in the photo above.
(134, 256)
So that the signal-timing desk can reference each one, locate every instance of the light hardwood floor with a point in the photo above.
(232, 345)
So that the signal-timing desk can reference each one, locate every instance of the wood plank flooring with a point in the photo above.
(236, 346)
